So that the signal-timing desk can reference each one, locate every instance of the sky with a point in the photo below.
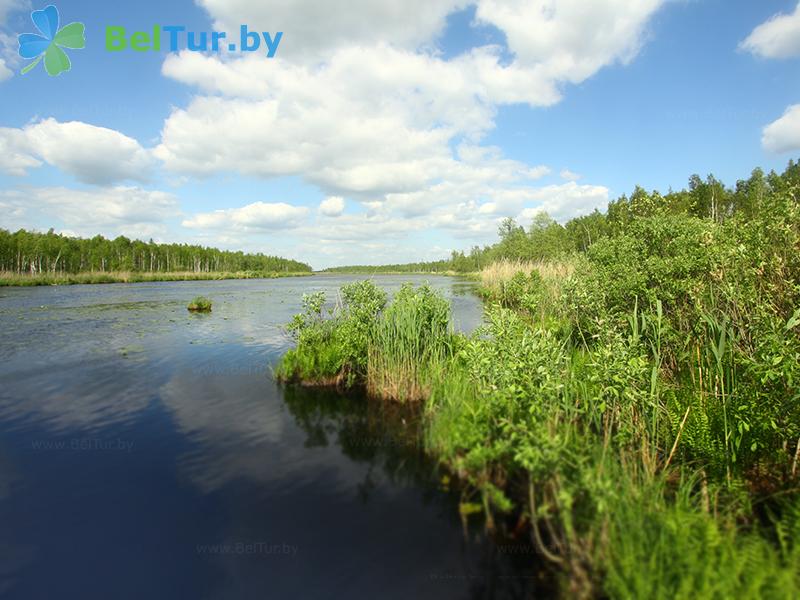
(392, 131)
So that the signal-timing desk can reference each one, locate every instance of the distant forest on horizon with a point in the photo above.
(36, 253)
(29, 252)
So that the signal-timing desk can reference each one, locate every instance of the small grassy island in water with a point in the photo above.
(200, 304)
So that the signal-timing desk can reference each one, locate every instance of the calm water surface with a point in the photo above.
(147, 453)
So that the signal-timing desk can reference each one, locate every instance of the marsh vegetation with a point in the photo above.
(631, 404)
(200, 304)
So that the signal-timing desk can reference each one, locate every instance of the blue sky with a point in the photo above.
(393, 131)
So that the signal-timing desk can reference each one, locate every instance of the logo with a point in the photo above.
(194, 41)
(50, 44)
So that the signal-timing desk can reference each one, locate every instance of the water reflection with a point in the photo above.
(146, 452)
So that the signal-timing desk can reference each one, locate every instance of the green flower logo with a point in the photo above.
(49, 45)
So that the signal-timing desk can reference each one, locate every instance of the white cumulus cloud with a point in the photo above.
(257, 216)
(9, 6)
(570, 40)
(315, 27)
(16, 152)
(332, 206)
(127, 210)
(779, 37)
(379, 112)
(567, 201)
(783, 135)
(94, 155)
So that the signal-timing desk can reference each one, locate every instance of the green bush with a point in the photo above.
(332, 348)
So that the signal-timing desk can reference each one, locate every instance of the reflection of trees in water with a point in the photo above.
(388, 438)
(464, 288)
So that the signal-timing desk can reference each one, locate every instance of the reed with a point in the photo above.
(502, 271)
(409, 346)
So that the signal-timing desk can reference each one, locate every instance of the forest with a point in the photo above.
(706, 199)
(31, 253)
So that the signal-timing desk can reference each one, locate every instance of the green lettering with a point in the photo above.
(140, 41)
(115, 39)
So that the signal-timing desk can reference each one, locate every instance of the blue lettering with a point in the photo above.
(248, 38)
(272, 45)
(194, 46)
(173, 35)
(216, 36)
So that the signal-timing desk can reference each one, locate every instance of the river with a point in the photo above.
(146, 452)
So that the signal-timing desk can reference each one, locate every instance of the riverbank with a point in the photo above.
(633, 419)
(370, 271)
(24, 280)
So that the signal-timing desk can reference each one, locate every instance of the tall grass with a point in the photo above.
(409, 346)
(661, 542)
(535, 288)
(502, 271)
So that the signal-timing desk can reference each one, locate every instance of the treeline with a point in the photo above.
(546, 239)
(439, 266)
(33, 253)
(708, 199)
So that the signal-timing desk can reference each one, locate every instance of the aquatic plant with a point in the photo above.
(332, 345)
(409, 345)
(200, 304)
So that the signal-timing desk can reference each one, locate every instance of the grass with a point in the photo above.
(409, 344)
(200, 304)
(501, 272)
(631, 462)
(534, 288)
(663, 543)
(8, 279)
